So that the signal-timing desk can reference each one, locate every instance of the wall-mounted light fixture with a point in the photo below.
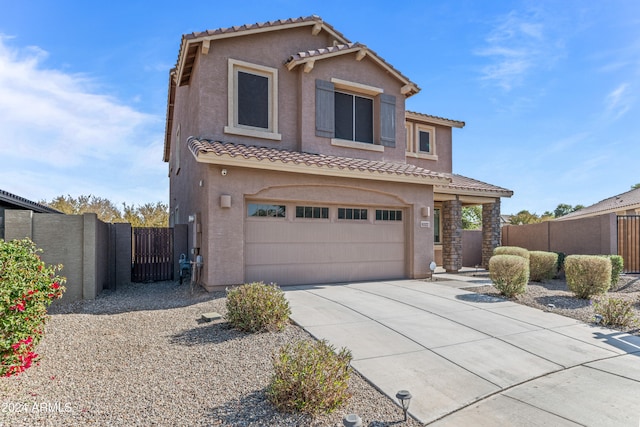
(426, 211)
(225, 201)
(192, 218)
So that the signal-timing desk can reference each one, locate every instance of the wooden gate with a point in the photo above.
(629, 242)
(152, 253)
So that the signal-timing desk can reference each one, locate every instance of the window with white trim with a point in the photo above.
(252, 100)
(421, 141)
(355, 115)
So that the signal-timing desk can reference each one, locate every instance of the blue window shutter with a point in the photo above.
(387, 120)
(325, 115)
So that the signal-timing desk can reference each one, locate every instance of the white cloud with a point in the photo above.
(618, 101)
(515, 46)
(61, 132)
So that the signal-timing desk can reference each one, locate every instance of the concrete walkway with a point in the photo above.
(469, 359)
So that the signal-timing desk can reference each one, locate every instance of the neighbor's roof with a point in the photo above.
(230, 154)
(622, 202)
(192, 42)
(11, 201)
(463, 185)
(308, 58)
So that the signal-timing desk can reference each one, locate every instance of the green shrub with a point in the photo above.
(27, 288)
(542, 265)
(617, 267)
(256, 307)
(511, 250)
(509, 274)
(310, 377)
(615, 312)
(587, 275)
(560, 265)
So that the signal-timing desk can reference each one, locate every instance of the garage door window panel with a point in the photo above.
(312, 212)
(259, 210)
(352, 214)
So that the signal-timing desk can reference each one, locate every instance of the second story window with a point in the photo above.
(421, 141)
(252, 100)
(353, 117)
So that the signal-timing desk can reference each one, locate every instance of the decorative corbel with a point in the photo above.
(361, 54)
(317, 27)
(308, 66)
(206, 43)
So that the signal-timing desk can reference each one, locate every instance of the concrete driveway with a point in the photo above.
(470, 359)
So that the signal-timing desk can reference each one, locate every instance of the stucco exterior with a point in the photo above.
(385, 174)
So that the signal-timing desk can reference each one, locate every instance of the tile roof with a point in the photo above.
(274, 156)
(323, 51)
(315, 54)
(190, 42)
(625, 201)
(436, 119)
(12, 201)
(463, 183)
(261, 25)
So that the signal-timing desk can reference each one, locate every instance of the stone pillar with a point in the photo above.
(490, 230)
(452, 235)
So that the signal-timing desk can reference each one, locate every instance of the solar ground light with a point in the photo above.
(404, 397)
(352, 420)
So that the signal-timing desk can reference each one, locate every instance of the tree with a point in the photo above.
(147, 215)
(104, 208)
(564, 209)
(524, 217)
(635, 186)
(472, 217)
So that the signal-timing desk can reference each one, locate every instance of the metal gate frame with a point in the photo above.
(152, 254)
(629, 242)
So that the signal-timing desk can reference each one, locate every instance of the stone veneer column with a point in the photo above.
(452, 235)
(490, 230)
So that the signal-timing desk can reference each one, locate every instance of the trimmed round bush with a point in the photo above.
(616, 312)
(542, 265)
(256, 307)
(310, 377)
(509, 274)
(511, 250)
(617, 267)
(587, 275)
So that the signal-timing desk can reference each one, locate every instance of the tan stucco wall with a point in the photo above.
(586, 236)
(223, 249)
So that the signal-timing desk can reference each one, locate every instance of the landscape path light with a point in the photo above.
(352, 420)
(404, 397)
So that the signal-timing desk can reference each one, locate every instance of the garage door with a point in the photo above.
(302, 244)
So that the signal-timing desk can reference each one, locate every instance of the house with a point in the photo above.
(293, 160)
(623, 204)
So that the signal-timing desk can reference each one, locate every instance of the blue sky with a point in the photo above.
(549, 90)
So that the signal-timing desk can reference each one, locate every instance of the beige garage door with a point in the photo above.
(294, 244)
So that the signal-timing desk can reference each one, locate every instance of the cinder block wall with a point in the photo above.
(95, 255)
(595, 235)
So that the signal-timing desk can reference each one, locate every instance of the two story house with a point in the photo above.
(293, 160)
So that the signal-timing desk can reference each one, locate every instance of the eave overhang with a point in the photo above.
(191, 43)
(239, 155)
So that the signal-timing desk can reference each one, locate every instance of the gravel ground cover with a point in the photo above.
(556, 292)
(140, 356)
